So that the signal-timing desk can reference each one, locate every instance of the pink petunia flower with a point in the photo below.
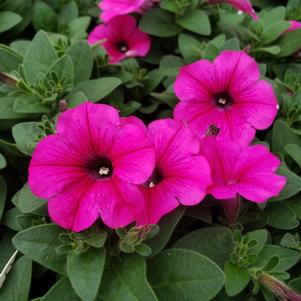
(226, 93)
(121, 38)
(90, 168)
(180, 176)
(113, 8)
(294, 25)
(246, 171)
(242, 5)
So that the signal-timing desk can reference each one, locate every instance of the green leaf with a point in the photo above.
(292, 187)
(211, 51)
(97, 89)
(27, 202)
(295, 152)
(82, 57)
(237, 278)
(170, 5)
(190, 48)
(167, 225)
(287, 258)
(273, 16)
(39, 57)
(159, 23)
(16, 286)
(196, 21)
(39, 243)
(271, 50)
(44, 17)
(64, 68)
(283, 135)
(10, 219)
(2, 161)
(231, 44)
(290, 241)
(26, 136)
(62, 290)
(216, 243)
(178, 275)
(295, 284)
(9, 59)
(125, 279)
(30, 104)
(261, 237)
(295, 204)
(290, 43)
(77, 27)
(274, 31)
(85, 272)
(170, 65)
(3, 194)
(96, 239)
(76, 99)
(281, 216)
(8, 20)
(7, 249)
(69, 12)
(7, 111)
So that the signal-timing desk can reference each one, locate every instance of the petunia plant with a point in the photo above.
(150, 150)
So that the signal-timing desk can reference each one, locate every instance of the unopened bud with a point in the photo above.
(63, 105)
(278, 288)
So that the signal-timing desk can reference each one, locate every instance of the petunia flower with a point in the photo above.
(294, 25)
(248, 171)
(241, 5)
(113, 8)
(91, 167)
(227, 93)
(180, 176)
(121, 38)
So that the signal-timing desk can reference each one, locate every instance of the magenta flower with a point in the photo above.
(180, 176)
(113, 8)
(226, 93)
(89, 167)
(121, 38)
(246, 171)
(294, 25)
(242, 5)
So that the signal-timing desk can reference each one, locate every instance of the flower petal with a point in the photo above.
(236, 68)
(195, 82)
(132, 154)
(171, 137)
(113, 8)
(119, 203)
(93, 128)
(159, 201)
(75, 209)
(54, 167)
(257, 104)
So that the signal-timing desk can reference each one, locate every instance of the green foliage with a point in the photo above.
(47, 66)
(125, 279)
(85, 272)
(40, 243)
(187, 275)
(17, 285)
(216, 243)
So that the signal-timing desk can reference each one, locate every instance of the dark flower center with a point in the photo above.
(223, 100)
(154, 179)
(213, 130)
(122, 46)
(99, 167)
